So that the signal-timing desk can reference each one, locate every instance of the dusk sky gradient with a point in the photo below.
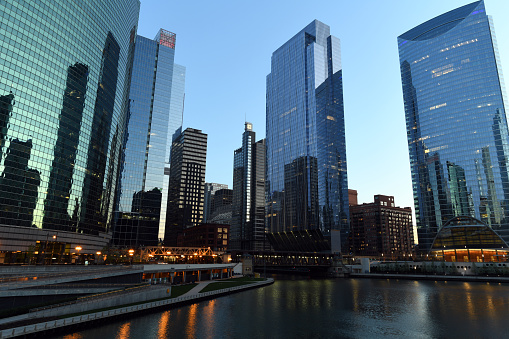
(226, 47)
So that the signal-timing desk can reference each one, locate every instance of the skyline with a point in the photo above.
(227, 53)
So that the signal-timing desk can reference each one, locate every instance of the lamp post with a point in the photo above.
(78, 248)
(131, 253)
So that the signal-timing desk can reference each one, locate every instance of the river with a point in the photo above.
(295, 307)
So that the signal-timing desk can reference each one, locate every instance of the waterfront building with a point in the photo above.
(381, 229)
(466, 239)
(154, 118)
(248, 205)
(210, 190)
(455, 109)
(187, 183)
(64, 80)
(307, 186)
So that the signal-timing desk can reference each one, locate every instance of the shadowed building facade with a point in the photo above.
(187, 184)
(61, 120)
(306, 187)
(455, 113)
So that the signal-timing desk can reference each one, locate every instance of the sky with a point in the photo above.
(226, 47)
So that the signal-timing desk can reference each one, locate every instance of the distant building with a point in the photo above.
(210, 189)
(352, 197)
(214, 236)
(221, 206)
(381, 228)
(154, 118)
(187, 183)
(248, 208)
(307, 186)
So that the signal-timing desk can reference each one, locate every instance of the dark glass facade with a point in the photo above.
(187, 183)
(153, 119)
(248, 203)
(307, 184)
(456, 121)
(64, 79)
(210, 189)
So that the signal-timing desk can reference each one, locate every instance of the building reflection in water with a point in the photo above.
(124, 331)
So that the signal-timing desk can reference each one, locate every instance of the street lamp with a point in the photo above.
(131, 253)
(78, 248)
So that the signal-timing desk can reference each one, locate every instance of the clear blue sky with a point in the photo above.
(226, 47)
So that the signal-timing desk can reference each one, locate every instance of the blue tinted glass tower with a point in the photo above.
(154, 117)
(63, 92)
(306, 152)
(455, 109)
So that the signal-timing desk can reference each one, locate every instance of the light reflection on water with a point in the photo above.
(344, 308)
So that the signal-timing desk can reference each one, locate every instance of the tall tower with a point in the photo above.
(307, 184)
(154, 117)
(247, 230)
(455, 109)
(61, 122)
(187, 183)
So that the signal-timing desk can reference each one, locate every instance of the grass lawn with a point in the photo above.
(177, 291)
(230, 283)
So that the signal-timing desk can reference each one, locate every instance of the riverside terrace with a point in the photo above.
(24, 288)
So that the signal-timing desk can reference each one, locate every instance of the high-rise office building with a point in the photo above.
(247, 230)
(210, 190)
(187, 183)
(64, 82)
(307, 184)
(154, 117)
(455, 109)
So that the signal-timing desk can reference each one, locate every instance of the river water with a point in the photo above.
(295, 307)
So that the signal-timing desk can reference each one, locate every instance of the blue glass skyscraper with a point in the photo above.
(64, 80)
(154, 117)
(306, 184)
(455, 109)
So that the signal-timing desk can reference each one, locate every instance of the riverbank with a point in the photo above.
(435, 277)
(37, 327)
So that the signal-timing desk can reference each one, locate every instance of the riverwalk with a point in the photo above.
(34, 326)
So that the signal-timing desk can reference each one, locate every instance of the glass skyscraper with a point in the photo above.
(154, 117)
(307, 184)
(456, 121)
(64, 79)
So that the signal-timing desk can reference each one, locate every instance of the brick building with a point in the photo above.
(381, 229)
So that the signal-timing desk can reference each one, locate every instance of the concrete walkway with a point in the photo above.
(196, 290)
(202, 284)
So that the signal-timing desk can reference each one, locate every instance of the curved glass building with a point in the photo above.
(306, 183)
(455, 109)
(466, 239)
(64, 77)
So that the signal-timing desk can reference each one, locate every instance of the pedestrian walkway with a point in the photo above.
(202, 284)
(196, 290)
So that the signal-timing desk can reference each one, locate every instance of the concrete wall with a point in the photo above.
(119, 300)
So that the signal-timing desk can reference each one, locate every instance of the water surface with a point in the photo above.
(330, 308)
